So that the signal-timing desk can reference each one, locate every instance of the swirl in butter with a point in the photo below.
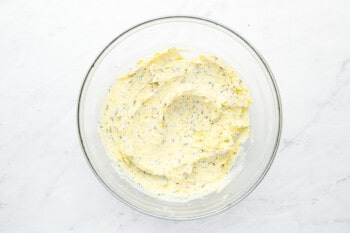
(174, 125)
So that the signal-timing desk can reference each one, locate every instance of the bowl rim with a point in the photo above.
(207, 22)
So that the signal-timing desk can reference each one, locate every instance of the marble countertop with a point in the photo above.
(46, 48)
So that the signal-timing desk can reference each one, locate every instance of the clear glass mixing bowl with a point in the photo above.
(197, 34)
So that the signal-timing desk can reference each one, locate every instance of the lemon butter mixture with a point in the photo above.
(175, 124)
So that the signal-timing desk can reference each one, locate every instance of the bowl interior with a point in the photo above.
(199, 36)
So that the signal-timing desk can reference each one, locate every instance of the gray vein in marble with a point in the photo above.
(340, 84)
(53, 185)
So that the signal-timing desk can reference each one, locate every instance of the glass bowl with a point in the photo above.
(205, 36)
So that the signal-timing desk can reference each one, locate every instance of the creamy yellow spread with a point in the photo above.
(175, 124)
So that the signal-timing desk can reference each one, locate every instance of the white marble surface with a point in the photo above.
(46, 47)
